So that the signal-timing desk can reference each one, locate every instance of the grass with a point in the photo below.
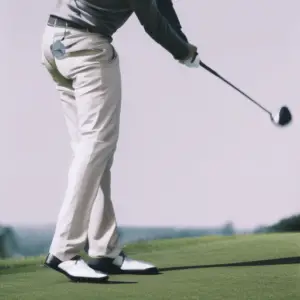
(192, 269)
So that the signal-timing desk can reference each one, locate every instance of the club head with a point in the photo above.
(283, 117)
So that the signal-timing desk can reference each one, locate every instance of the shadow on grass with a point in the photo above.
(119, 282)
(266, 262)
(107, 282)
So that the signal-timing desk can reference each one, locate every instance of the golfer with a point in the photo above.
(77, 52)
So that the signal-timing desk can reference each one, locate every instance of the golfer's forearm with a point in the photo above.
(158, 27)
(166, 8)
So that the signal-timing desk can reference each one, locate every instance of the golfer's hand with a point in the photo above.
(193, 59)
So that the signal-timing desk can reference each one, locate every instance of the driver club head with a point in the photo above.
(283, 117)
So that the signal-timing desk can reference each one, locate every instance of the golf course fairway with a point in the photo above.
(245, 267)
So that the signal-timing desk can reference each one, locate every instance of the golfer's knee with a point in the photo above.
(97, 146)
(107, 135)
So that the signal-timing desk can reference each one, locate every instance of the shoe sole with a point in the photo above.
(151, 271)
(79, 279)
(118, 271)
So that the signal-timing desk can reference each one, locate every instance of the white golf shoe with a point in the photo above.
(122, 265)
(75, 269)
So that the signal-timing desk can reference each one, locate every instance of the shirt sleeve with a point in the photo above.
(158, 27)
(166, 8)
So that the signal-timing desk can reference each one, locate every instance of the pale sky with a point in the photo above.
(192, 151)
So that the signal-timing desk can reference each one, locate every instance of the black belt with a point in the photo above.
(58, 22)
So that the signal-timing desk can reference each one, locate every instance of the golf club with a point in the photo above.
(281, 118)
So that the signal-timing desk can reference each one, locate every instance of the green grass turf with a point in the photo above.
(194, 268)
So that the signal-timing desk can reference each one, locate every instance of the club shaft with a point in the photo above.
(210, 70)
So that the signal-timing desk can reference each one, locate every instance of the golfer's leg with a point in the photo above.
(103, 236)
(66, 93)
(97, 89)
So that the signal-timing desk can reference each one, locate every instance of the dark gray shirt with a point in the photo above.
(158, 18)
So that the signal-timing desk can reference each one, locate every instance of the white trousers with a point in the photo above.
(87, 78)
